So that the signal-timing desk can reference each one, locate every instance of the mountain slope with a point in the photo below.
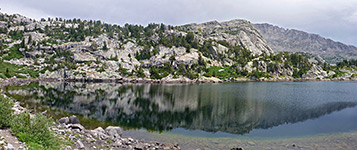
(280, 39)
(235, 32)
(87, 49)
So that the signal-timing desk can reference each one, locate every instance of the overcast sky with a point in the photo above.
(335, 19)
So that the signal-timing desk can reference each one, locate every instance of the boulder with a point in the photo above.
(64, 120)
(99, 133)
(80, 144)
(114, 132)
(74, 120)
(76, 126)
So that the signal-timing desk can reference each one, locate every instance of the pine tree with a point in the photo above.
(105, 46)
(30, 39)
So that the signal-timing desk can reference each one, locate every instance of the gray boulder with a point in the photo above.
(99, 133)
(74, 120)
(64, 120)
(76, 126)
(114, 132)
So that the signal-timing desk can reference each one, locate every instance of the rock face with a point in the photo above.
(280, 39)
(235, 32)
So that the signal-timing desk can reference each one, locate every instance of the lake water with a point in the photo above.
(246, 109)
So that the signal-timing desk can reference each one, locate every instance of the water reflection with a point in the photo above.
(236, 108)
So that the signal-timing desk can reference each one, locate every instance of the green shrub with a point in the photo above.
(14, 53)
(353, 75)
(140, 72)
(258, 74)
(123, 71)
(34, 131)
(5, 112)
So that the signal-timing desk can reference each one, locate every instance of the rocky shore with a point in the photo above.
(99, 138)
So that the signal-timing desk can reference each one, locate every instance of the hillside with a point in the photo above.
(291, 40)
(87, 50)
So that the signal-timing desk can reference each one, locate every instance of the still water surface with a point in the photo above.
(247, 109)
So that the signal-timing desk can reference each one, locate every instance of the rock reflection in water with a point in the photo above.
(232, 108)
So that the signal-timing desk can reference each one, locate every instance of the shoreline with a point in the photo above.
(345, 140)
(16, 81)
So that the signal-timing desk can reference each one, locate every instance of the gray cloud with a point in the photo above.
(336, 19)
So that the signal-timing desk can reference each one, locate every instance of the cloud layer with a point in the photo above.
(336, 19)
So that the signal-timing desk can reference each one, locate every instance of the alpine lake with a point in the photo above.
(251, 115)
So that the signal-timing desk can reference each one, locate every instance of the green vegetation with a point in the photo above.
(14, 53)
(122, 70)
(33, 131)
(158, 73)
(140, 72)
(8, 70)
(343, 65)
(187, 41)
(299, 63)
(66, 60)
(3, 30)
(221, 72)
(5, 112)
(258, 74)
(17, 35)
(146, 53)
(346, 63)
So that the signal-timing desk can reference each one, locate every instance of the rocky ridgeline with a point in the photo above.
(99, 138)
(292, 40)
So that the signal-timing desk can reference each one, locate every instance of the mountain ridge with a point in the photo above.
(293, 40)
(87, 49)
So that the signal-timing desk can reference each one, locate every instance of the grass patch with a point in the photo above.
(8, 70)
(224, 72)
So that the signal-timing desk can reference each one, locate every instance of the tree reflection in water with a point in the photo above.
(233, 108)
